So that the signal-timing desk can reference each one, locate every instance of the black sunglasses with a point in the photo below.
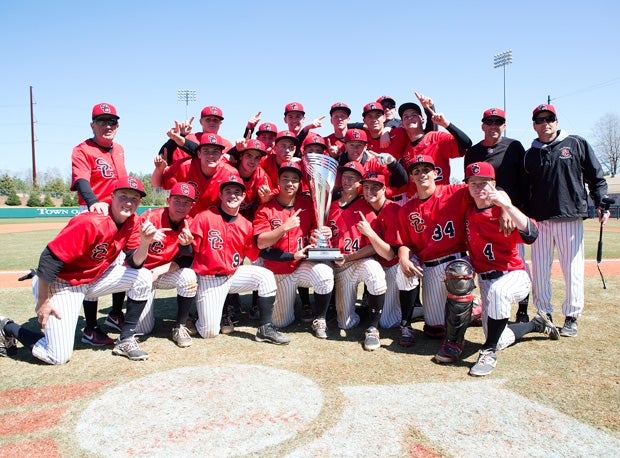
(544, 119)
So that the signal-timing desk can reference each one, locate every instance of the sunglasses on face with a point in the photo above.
(544, 119)
(494, 122)
(106, 122)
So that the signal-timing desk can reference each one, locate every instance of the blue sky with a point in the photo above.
(257, 56)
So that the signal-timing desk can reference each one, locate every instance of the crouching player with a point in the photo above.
(169, 260)
(494, 256)
(222, 240)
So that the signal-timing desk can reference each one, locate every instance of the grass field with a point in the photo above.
(41, 406)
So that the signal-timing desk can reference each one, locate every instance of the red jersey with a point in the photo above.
(160, 253)
(271, 216)
(90, 243)
(335, 141)
(434, 227)
(252, 184)
(490, 249)
(398, 143)
(442, 147)
(386, 223)
(343, 223)
(101, 167)
(221, 243)
(207, 188)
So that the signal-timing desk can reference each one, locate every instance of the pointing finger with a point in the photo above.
(257, 115)
(362, 217)
(322, 118)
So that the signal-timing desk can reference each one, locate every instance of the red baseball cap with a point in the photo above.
(314, 139)
(373, 176)
(419, 159)
(494, 112)
(480, 170)
(387, 100)
(543, 107)
(290, 166)
(354, 166)
(372, 106)
(212, 111)
(294, 106)
(267, 127)
(340, 106)
(287, 134)
(184, 190)
(132, 183)
(106, 109)
(256, 145)
(232, 179)
(211, 139)
(355, 135)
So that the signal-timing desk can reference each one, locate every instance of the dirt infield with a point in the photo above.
(27, 227)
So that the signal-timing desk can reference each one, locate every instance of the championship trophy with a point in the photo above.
(321, 170)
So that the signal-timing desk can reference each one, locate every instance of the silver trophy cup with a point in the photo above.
(321, 170)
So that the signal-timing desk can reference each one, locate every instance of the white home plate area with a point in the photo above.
(233, 410)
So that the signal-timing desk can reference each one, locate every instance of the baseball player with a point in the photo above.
(80, 262)
(282, 228)
(183, 144)
(386, 212)
(358, 263)
(339, 114)
(206, 172)
(441, 146)
(284, 150)
(506, 157)
(494, 256)
(432, 234)
(169, 260)
(389, 111)
(294, 117)
(223, 238)
(557, 165)
(385, 164)
(374, 120)
(96, 166)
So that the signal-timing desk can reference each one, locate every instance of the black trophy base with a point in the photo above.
(323, 254)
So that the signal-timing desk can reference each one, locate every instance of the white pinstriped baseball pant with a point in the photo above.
(57, 345)
(567, 236)
(212, 292)
(347, 277)
(392, 314)
(316, 275)
(184, 280)
(498, 296)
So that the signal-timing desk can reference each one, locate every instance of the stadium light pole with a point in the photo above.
(186, 95)
(502, 60)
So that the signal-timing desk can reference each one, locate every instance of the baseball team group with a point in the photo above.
(243, 217)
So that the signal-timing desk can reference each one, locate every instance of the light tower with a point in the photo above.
(502, 60)
(186, 95)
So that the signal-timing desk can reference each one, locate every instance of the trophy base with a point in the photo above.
(323, 254)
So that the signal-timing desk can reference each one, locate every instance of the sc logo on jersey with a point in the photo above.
(100, 252)
(276, 223)
(416, 221)
(104, 168)
(215, 239)
(156, 247)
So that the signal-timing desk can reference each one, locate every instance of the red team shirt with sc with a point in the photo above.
(99, 167)
(90, 243)
(343, 223)
(160, 253)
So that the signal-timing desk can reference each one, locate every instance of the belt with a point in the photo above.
(492, 274)
(436, 262)
(397, 198)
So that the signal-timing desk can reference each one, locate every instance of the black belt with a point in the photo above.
(492, 274)
(436, 262)
(397, 198)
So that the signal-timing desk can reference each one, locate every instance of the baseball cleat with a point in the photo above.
(129, 347)
(190, 325)
(8, 345)
(487, 360)
(181, 337)
(448, 353)
(307, 315)
(570, 327)
(319, 327)
(406, 336)
(544, 325)
(269, 333)
(96, 337)
(372, 342)
(227, 326)
(115, 321)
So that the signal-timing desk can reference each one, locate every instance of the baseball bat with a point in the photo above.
(605, 204)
